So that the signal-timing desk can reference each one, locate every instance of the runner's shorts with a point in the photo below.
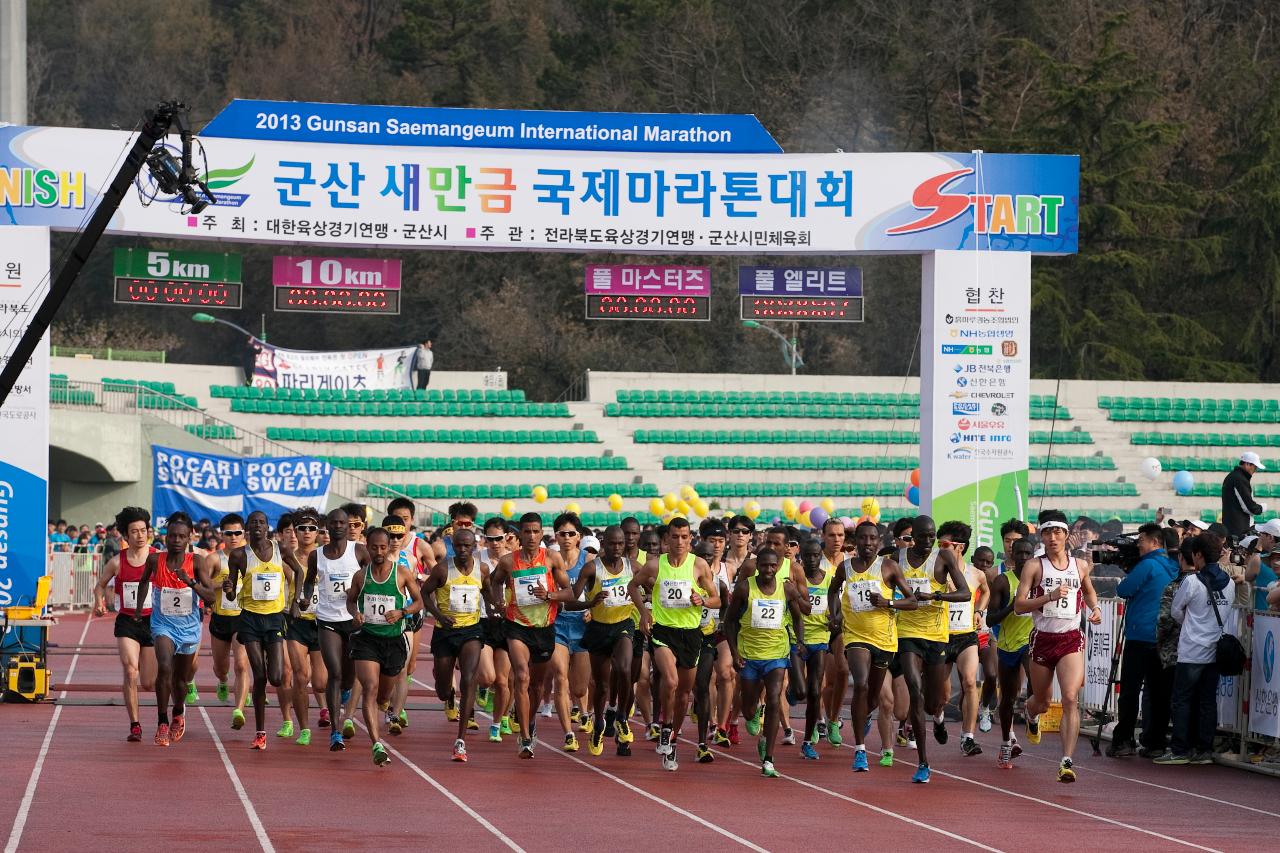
(684, 643)
(389, 653)
(223, 627)
(184, 631)
(491, 631)
(264, 628)
(601, 637)
(346, 627)
(541, 642)
(1011, 660)
(880, 658)
(138, 630)
(1049, 648)
(930, 652)
(304, 633)
(958, 643)
(448, 642)
(756, 670)
(569, 630)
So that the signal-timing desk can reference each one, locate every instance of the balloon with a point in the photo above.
(573, 507)
(752, 510)
(615, 502)
(788, 508)
(1150, 468)
(915, 477)
(1183, 483)
(688, 493)
(776, 520)
(700, 507)
(828, 505)
(684, 508)
(818, 516)
(876, 517)
(805, 506)
(508, 509)
(669, 500)
(847, 521)
(540, 494)
(657, 507)
(803, 518)
(870, 507)
(913, 496)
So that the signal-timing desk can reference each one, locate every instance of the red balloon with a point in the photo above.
(915, 477)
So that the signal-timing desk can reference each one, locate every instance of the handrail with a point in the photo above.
(577, 389)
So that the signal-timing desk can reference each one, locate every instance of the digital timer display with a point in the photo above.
(803, 309)
(184, 294)
(628, 307)
(337, 300)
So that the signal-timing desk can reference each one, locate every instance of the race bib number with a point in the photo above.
(960, 616)
(129, 596)
(464, 598)
(524, 590)
(1061, 608)
(615, 592)
(860, 595)
(817, 600)
(266, 586)
(709, 618)
(766, 613)
(376, 608)
(225, 603)
(675, 594)
(335, 587)
(176, 602)
(918, 585)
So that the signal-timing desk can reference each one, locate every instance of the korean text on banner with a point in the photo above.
(1264, 689)
(352, 370)
(24, 420)
(1100, 645)
(208, 486)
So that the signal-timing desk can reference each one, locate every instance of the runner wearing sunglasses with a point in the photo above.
(417, 556)
(227, 653)
(303, 638)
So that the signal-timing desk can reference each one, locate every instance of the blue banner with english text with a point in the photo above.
(205, 485)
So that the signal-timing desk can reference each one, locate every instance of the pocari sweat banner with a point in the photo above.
(205, 485)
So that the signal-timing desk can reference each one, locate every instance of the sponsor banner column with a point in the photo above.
(24, 418)
(975, 383)
(1264, 681)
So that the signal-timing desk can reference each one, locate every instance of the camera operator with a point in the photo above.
(1259, 571)
(1140, 667)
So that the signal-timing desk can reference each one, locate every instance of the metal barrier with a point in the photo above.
(74, 576)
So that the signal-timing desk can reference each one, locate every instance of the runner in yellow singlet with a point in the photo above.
(302, 638)
(836, 669)
(227, 653)
(817, 633)
(964, 619)
(1011, 645)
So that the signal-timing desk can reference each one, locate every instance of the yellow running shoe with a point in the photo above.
(451, 709)
(570, 743)
(1033, 729)
(1066, 773)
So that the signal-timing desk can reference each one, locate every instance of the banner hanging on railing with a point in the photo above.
(349, 370)
(1264, 681)
(205, 485)
(1100, 645)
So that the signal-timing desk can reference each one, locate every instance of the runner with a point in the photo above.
(226, 618)
(493, 675)
(420, 557)
(133, 626)
(1011, 645)
(178, 577)
(761, 646)
(677, 577)
(532, 583)
(964, 621)
(287, 540)
(836, 667)
(718, 657)
(461, 514)
(631, 531)
(935, 579)
(1051, 590)
(266, 571)
(861, 606)
(378, 598)
(609, 639)
(817, 630)
(570, 664)
(1011, 531)
(453, 595)
(333, 567)
(302, 637)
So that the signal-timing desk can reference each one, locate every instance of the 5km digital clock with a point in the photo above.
(191, 294)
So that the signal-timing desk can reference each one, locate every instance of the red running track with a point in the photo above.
(72, 780)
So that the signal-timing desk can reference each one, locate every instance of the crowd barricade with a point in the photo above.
(74, 576)
(1258, 694)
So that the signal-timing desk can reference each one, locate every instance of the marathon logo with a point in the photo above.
(21, 186)
(992, 213)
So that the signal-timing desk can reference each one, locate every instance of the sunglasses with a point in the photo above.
(463, 522)
(391, 535)
(497, 538)
(907, 538)
(558, 532)
(742, 531)
(306, 528)
(354, 523)
(225, 532)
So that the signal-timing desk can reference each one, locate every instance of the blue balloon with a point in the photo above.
(913, 495)
(1183, 483)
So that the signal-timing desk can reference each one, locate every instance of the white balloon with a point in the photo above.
(1151, 468)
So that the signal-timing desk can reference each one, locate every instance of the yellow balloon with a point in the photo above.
(669, 500)
(540, 494)
(657, 507)
(804, 519)
(508, 509)
(701, 508)
(573, 507)
(751, 510)
(829, 505)
(870, 506)
(615, 502)
(688, 493)
(789, 508)
(683, 508)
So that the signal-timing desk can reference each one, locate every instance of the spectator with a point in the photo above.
(1238, 505)
(423, 360)
(1259, 570)
(82, 544)
(58, 539)
(1196, 607)
(1168, 631)
(110, 543)
(1084, 532)
(1141, 588)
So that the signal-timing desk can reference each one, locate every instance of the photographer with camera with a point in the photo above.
(1140, 667)
(1259, 570)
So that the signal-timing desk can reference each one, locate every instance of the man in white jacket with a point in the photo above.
(1195, 680)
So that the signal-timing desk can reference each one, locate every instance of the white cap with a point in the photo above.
(1252, 458)
(591, 543)
(1197, 524)
(1272, 527)
(1247, 542)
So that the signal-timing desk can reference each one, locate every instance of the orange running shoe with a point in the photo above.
(178, 727)
(162, 734)
(459, 750)
(259, 741)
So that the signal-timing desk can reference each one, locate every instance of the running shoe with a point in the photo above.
(570, 743)
(808, 752)
(860, 761)
(1201, 757)
(789, 736)
(595, 743)
(767, 770)
(922, 775)
(259, 741)
(753, 725)
(624, 749)
(526, 747)
(664, 741)
(903, 737)
(669, 761)
(734, 737)
(515, 726)
(969, 746)
(940, 731)
(1066, 773)
(587, 725)
(704, 755)
(393, 724)
(610, 722)
(624, 733)
(833, 734)
(324, 722)
(575, 715)
(720, 737)
(484, 698)
(472, 725)
(304, 738)
(345, 696)
(336, 743)
(404, 719)
(451, 708)
(984, 720)
(348, 729)
(821, 729)
(505, 726)
(237, 719)
(653, 732)
(222, 691)
(1033, 729)
(546, 709)
(135, 733)
(886, 758)
(1005, 761)
(162, 734)
(192, 695)
(286, 730)
(1171, 757)
(1017, 747)
(178, 727)
(495, 733)
(380, 756)
(459, 750)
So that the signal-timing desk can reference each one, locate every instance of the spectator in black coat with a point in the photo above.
(1238, 505)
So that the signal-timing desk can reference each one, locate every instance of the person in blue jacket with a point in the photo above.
(1141, 589)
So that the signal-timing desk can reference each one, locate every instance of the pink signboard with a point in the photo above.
(313, 271)
(648, 280)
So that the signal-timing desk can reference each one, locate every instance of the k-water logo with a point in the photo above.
(965, 408)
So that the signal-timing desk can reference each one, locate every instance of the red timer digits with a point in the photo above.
(803, 309)
(192, 294)
(631, 307)
(338, 300)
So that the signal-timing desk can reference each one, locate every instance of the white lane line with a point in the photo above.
(20, 820)
(856, 802)
(472, 813)
(252, 813)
